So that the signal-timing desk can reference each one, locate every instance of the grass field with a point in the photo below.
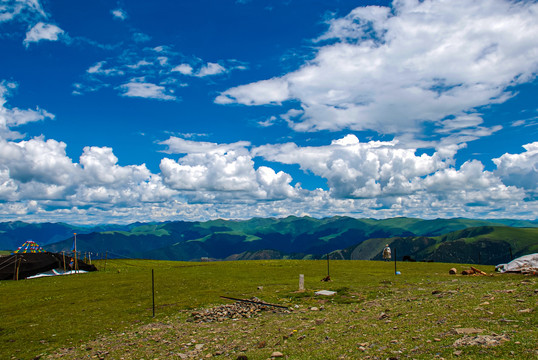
(422, 314)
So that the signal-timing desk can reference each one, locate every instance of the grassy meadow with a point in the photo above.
(422, 313)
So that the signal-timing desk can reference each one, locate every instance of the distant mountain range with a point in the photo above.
(446, 240)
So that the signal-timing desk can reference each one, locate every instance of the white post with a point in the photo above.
(301, 282)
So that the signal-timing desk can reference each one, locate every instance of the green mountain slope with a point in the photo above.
(484, 244)
(346, 237)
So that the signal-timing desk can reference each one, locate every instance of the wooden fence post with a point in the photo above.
(153, 291)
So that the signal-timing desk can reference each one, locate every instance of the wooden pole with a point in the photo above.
(15, 277)
(255, 302)
(18, 268)
(395, 271)
(76, 260)
(328, 272)
(153, 291)
(63, 256)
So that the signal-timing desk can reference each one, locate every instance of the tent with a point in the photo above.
(23, 265)
(524, 264)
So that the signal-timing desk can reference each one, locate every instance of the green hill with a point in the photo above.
(346, 237)
(483, 244)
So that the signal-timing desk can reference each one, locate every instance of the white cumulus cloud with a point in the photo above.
(39, 160)
(26, 9)
(100, 167)
(42, 31)
(220, 169)
(273, 91)
(185, 69)
(392, 69)
(359, 170)
(520, 169)
(145, 90)
(119, 14)
(178, 145)
(13, 117)
(210, 69)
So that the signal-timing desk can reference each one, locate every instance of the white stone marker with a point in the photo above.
(301, 282)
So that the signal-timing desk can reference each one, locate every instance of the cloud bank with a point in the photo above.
(391, 70)
(203, 180)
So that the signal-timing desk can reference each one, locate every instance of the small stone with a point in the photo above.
(382, 316)
(362, 348)
(199, 346)
(313, 308)
(277, 354)
(457, 353)
(524, 311)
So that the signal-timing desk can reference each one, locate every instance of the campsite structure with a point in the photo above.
(31, 259)
(24, 265)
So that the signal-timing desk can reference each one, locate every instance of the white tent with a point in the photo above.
(524, 264)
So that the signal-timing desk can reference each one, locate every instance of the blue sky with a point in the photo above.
(115, 112)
